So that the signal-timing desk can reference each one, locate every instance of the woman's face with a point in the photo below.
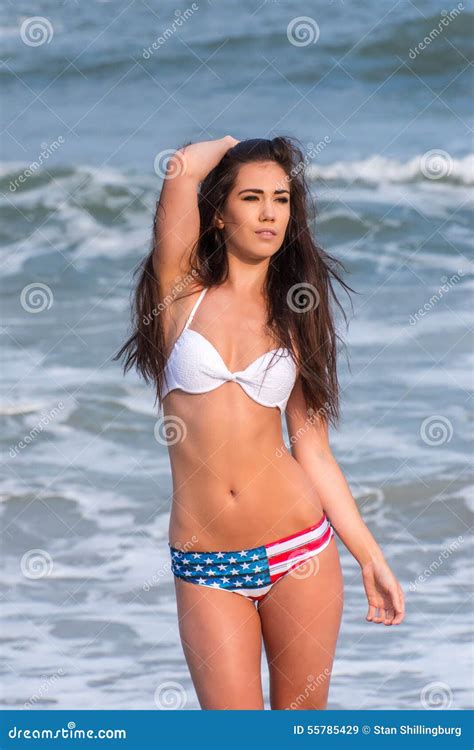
(258, 202)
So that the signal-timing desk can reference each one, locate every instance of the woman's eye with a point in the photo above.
(254, 197)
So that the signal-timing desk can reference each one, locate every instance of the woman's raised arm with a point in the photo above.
(177, 219)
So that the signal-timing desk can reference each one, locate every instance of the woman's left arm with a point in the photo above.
(309, 439)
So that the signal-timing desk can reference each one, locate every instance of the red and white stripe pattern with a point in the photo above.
(292, 550)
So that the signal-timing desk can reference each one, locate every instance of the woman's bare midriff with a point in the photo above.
(235, 485)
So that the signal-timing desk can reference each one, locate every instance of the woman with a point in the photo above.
(252, 525)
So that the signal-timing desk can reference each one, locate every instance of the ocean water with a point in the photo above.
(96, 94)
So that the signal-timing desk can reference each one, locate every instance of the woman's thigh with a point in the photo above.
(222, 643)
(301, 617)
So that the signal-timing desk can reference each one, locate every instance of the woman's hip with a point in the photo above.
(251, 571)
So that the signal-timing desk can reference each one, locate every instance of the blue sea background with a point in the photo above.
(88, 608)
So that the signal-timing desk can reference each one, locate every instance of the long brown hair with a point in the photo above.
(298, 285)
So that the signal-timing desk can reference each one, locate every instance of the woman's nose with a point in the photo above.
(268, 210)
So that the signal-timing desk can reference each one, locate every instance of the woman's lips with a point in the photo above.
(266, 235)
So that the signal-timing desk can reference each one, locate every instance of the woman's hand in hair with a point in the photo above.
(232, 141)
(199, 158)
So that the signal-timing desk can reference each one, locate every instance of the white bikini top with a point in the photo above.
(195, 366)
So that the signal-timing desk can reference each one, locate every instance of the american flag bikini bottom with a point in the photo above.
(252, 572)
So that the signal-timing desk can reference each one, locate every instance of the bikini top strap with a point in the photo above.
(195, 307)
